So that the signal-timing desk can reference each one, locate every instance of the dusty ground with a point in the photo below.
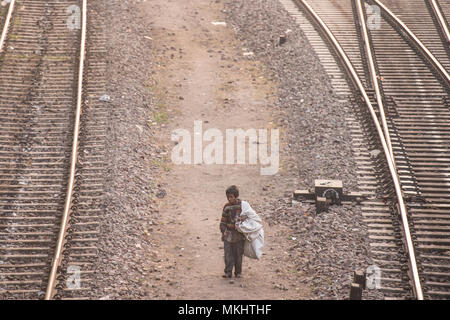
(203, 74)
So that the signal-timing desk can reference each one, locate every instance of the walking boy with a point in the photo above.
(233, 240)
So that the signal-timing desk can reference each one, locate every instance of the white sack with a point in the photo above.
(254, 248)
(252, 230)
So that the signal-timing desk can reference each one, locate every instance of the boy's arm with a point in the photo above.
(224, 220)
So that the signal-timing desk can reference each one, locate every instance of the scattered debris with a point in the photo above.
(105, 98)
(140, 128)
(161, 194)
(374, 153)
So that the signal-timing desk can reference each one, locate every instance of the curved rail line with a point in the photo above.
(431, 58)
(413, 88)
(355, 78)
(73, 161)
(419, 90)
(445, 11)
(6, 24)
(374, 77)
(442, 22)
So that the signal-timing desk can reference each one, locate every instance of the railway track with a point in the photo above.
(411, 90)
(52, 136)
(52, 155)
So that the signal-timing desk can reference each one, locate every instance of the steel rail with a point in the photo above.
(441, 20)
(66, 214)
(6, 25)
(374, 76)
(428, 55)
(417, 287)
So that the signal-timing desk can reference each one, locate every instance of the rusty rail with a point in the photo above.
(390, 161)
(441, 20)
(50, 292)
(424, 50)
(6, 25)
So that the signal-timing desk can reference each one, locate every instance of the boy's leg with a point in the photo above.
(229, 258)
(239, 253)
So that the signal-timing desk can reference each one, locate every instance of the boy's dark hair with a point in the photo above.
(232, 190)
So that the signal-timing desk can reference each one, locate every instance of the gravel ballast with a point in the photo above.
(130, 181)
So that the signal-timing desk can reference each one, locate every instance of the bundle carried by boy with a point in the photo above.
(251, 226)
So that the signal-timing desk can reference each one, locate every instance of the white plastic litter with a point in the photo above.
(105, 98)
(252, 230)
(219, 23)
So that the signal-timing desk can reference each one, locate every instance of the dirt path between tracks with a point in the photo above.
(204, 74)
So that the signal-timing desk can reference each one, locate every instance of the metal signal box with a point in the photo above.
(332, 190)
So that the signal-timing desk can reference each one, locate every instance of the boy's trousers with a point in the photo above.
(234, 252)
